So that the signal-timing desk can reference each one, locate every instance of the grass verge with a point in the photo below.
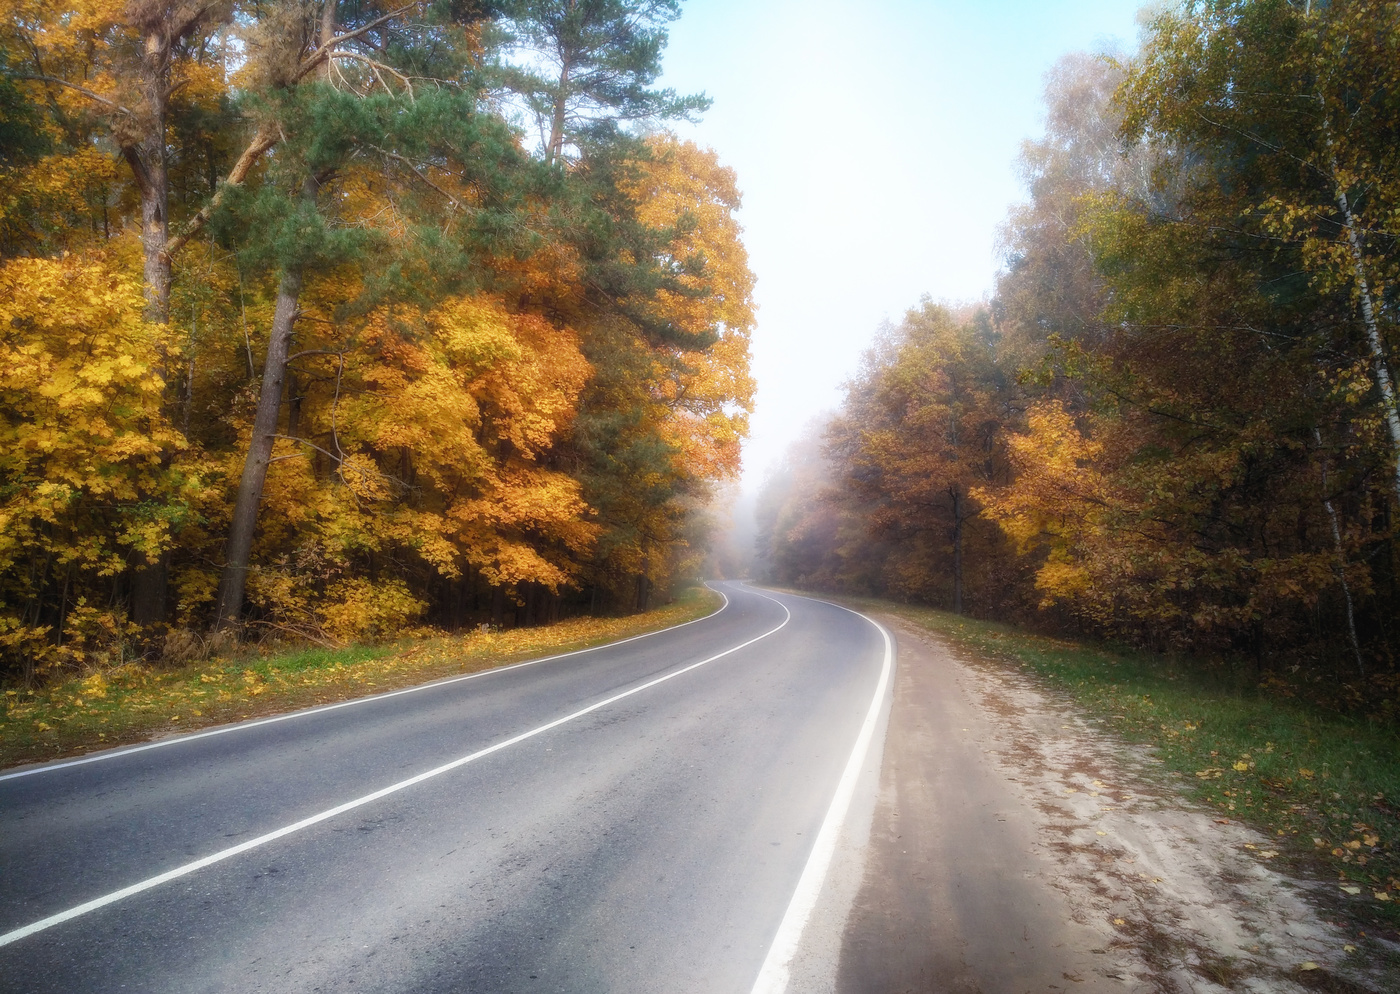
(1323, 785)
(137, 703)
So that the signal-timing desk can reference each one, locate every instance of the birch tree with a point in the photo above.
(1294, 106)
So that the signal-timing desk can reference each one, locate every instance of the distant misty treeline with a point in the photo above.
(1175, 422)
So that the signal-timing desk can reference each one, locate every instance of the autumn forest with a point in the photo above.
(1174, 423)
(325, 319)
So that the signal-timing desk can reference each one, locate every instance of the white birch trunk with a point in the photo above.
(1373, 337)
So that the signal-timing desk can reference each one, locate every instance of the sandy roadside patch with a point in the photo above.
(1007, 826)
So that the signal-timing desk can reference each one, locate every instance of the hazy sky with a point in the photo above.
(875, 145)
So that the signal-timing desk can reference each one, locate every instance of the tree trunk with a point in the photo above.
(146, 157)
(1340, 569)
(1373, 338)
(644, 585)
(557, 122)
(250, 487)
(957, 552)
(149, 590)
(293, 406)
(148, 163)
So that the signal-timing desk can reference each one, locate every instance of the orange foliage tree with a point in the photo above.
(438, 442)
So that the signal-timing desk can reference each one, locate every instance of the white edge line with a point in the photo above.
(98, 757)
(774, 975)
(199, 864)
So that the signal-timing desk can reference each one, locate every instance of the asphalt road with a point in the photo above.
(652, 843)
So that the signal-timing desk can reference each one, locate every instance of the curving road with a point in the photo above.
(636, 817)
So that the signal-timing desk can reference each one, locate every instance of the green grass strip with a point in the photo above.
(135, 703)
(1324, 785)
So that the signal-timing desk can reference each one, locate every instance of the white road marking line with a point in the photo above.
(199, 864)
(98, 757)
(776, 971)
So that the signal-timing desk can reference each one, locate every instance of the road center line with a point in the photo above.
(316, 819)
(98, 757)
(776, 971)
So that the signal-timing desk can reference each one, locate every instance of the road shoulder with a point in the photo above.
(1016, 847)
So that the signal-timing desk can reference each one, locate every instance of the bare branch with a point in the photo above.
(1265, 144)
(262, 141)
(323, 52)
(302, 441)
(73, 86)
(413, 167)
(266, 136)
(376, 68)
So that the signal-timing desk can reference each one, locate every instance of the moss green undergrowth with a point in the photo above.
(134, 703)
(1323, 785)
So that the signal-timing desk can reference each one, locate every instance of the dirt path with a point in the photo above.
(1016, 848)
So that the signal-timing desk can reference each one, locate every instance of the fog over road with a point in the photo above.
(635, 817)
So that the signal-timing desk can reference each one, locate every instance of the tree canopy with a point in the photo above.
(1175, 421)
(302, 335)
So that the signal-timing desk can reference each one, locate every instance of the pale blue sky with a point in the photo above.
(875, 145)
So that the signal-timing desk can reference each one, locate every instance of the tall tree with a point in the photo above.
(585, 67)
(124, 63)
(336, 99)
(135, 57)
(1290, 110)
(917, 433)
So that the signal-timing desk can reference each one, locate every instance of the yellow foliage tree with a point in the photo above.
(408, 346)
(427, 436)
(663, 418)
(708, 392)
(85, 493)
(1058, 502)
